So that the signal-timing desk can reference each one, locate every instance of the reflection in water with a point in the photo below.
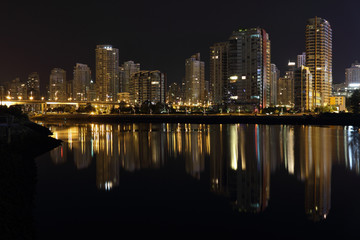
(239, 158)
(317, 160)
(18, 177)
(247, 178)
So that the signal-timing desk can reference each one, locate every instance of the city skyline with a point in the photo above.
(36, 41)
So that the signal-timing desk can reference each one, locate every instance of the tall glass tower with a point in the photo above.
(319, 59)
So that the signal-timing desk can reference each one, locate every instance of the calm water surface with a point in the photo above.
(195, 181)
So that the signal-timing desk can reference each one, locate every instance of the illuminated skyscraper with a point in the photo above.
(147, 86)
(107, 72)
(352, 75)
(81, 82)
(194, 80)
(218, 72)
(57, 87)
(249, 67)
(319, 58)
(33, 86)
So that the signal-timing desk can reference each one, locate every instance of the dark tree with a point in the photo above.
(355, 101)
(146, 107)
(160, 107)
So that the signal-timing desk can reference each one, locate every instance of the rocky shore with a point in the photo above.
(20, 142)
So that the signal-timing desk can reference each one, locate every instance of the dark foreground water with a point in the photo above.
(193, 181)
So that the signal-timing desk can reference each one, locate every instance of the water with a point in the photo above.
(195, 181)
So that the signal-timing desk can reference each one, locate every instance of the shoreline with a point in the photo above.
(290, 119)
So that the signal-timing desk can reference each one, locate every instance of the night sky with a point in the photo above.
(160, 35)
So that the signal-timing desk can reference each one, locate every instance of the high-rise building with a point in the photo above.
(107, 72)
(301, 60)
(194, 80)
(274, 77)
(303, 89)
(81, 82)
(33, 86)
(285, 96)
(16, 89)
(285, 89)
(128, 68)
(319, 58)
(218, 72)
(147, 86)
(121, 78)
(69, 90)
(174, 93)
(249, 67)
(92, 91)
(352, 75)
(57, 86)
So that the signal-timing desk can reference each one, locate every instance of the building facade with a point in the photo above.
(319, 58)
(249, 67)
(285, 86)
(218, 72)
(81, 82)
(174, 93)
(33, 86)
(57, 85)
(194, 80)
(301, 60)
(16, 89)
(274, 78)
(338, 102)
(107, 72)
(147, 86)
(303, 90)
(352, 75)
(127, 70)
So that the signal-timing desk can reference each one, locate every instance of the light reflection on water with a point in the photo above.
(241, 158)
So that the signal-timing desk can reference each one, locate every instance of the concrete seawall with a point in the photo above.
(291, 119)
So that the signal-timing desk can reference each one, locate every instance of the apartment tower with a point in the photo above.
(107, 72)
(57, 87)
(147, 86)
(218, 72)
(249, 67)
(33, 86)
(194, 80)
(81, 82)
(319, 58)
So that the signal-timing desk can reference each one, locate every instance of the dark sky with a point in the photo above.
(38, 36)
